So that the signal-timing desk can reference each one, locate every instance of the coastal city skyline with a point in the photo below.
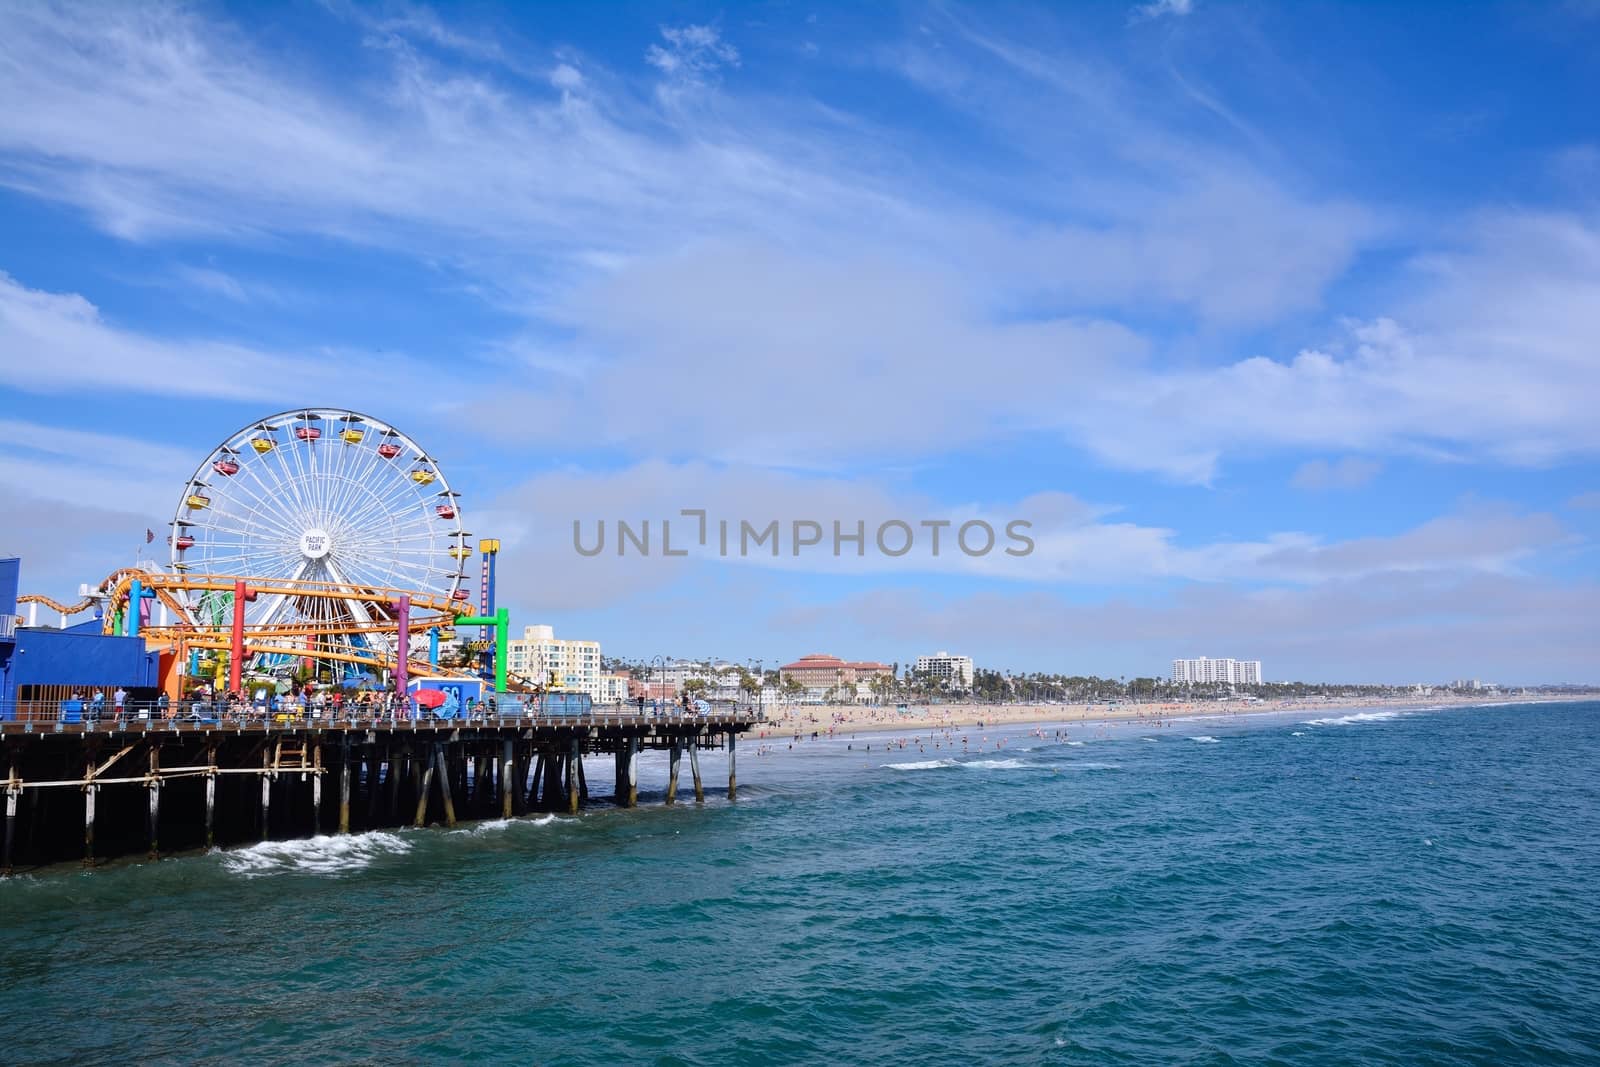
(1312, 390)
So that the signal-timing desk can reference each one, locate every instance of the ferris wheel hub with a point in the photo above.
(315, 543)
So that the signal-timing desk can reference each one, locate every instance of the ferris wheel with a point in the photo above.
(327, 496)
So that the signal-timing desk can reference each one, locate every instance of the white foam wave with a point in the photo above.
(322, 854)
(1298, 733)
(925, 765)
(1075, 744)
(489, 826)
(1152, 740)
(1357, 717)
(1204, 739)
(1096, 766)
(996, 764)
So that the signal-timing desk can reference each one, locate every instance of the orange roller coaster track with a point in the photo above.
(292, 639)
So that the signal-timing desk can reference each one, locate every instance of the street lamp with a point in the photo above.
(761, 683)
(662, 660)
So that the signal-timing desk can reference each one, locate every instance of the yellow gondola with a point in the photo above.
(198, 500)
(460, 551)
(352, 436)
(263, 445)
(423, 476)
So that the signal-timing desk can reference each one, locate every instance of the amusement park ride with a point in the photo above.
(315, 539)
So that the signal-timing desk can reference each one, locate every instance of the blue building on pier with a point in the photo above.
(43, 665)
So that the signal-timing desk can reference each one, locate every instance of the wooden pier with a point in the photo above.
(73, 789)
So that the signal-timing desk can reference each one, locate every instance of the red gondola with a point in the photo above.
(446, 511)
(183, 541)
(308, 433)
(226, 465)
(461, 594)
(388, 450)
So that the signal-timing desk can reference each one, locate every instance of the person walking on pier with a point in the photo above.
(121, 697)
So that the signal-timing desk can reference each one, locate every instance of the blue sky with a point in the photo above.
(1278, 322)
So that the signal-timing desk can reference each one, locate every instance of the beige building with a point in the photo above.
(542, 658)
(818, 671)
(613, 689)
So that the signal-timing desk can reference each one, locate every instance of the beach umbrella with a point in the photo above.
(429, 698)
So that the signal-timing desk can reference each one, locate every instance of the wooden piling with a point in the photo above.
(583, 783)
(88, 819)
(344, 786)
(155, 800)
(574, 759)
(266, 794)
(424, 789)
(507, 786)
(533, 782)
(11, 818)
(444, 784)
(694, 769)
(632, 745)
(316, 788)
(210, 795)
(672, 771)
(733, 777)
(549, 799)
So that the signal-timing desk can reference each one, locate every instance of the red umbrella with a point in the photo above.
(429, 698)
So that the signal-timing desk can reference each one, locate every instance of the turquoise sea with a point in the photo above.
(1387, 887)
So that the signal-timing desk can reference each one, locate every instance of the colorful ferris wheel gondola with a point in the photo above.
(352, 430)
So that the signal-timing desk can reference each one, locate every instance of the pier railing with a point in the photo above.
(58, 716)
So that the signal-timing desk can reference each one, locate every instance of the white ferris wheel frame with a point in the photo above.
(292, 516)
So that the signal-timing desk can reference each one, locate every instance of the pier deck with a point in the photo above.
(73, 789)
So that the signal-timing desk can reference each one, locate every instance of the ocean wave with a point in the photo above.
(1358, 717)
(925, 765)
(1152, 740)
(1297, 733)
(996, 764)
(1096, 766)
(322, 854)
(489, 826)
(1205, 739)
(1074, 744)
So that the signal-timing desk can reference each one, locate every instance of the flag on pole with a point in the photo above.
(149, 535)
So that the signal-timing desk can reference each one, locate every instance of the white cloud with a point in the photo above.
(1351, 472)
(1162, 8)
(691, 53)
(1075, 543)
(59, 342)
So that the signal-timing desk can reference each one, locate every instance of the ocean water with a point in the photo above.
(1380, 887)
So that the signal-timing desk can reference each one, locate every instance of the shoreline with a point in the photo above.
(803, 721)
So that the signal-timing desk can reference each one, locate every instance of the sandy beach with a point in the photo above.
(805, 720)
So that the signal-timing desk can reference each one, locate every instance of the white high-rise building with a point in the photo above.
(945, 667)
(544, 659)
(1226, 671)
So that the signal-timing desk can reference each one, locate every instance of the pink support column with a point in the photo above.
(241, 596)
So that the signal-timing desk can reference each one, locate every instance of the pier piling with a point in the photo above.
(574, 761)
(444, 784)
(672, 770)
(507, 785)
(694, 770)
(344, 786)
(733, 777)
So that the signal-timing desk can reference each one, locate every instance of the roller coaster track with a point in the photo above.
(56, 605)
(287, 639)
